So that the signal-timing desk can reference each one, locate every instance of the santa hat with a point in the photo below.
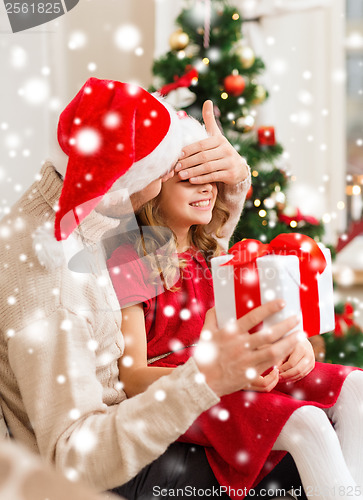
(115, 135)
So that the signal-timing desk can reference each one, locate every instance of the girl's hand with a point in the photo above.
(265, 383)
(213, 159)
(300, 362)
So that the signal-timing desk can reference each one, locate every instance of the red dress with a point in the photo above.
(239, 432)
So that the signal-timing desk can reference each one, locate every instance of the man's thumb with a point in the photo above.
(209, 119)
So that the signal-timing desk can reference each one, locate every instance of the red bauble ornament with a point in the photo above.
(234, 85)
(249, 193)
(266, 136)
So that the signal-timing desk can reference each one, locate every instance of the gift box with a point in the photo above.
(292, 267)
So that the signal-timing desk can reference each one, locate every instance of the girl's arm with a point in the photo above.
(135, 374)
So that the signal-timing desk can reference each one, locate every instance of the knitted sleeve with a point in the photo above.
(55, 363)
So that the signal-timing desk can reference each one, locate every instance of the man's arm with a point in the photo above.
(105, 446)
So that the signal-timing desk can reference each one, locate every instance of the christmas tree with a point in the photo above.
(209, 59)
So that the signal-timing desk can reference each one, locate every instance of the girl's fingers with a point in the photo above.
(271, 355)
(297, 372)
(265, 383)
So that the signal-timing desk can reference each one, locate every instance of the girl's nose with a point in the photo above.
(206, 188)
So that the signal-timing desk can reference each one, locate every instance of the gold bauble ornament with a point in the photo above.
(245, 123)
(260, 95)
(178, 40)
(246, 55)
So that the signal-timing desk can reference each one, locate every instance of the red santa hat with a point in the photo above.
(115, 135)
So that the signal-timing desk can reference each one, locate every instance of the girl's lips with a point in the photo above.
(201, 204)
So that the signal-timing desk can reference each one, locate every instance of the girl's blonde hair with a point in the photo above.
(203, 237)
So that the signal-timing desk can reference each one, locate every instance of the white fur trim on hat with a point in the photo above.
(182, 132)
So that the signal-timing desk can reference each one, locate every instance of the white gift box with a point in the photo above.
(279, 278)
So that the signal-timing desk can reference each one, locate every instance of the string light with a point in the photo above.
(224, 95)
(293, 223)
(254, 173)
(262, 213)
(206, 61)
(235, 16)
(257, 202)
(264, 222)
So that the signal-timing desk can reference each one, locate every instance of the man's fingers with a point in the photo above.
(273, 334)
(195, 148)
(209, 119)
(167, 176)
(210, 322)
(257, 315)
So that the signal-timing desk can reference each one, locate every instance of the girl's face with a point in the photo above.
(183, 204)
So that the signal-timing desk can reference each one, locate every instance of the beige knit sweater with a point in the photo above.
(60, 340)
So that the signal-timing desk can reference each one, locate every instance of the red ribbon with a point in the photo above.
(298, 218)
(347, 317)
(311, 263)
(182, 81)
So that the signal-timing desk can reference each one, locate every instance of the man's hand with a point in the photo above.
(231, 359)
(213, 159)
(299, 364)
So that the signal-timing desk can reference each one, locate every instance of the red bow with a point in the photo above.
(299, 217)
(347, 317)
(311, 261)
(182, 81)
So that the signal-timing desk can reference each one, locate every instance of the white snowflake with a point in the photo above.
(35, 91)
(270, 294)
(18, 57)
(199, 378)
(10, 333)
(127, 37)
(251, 373)
(223, 415)
(71, 474)
(112, 120)
(169, 311)
(92, 345)
(77, 40)
(84, 440)
(66, 325)
(205, 352)
(74, 414)
(185, 314)
(242, 457)
(160, 395)
(87, 141)
(175, 345)
(127, 361)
